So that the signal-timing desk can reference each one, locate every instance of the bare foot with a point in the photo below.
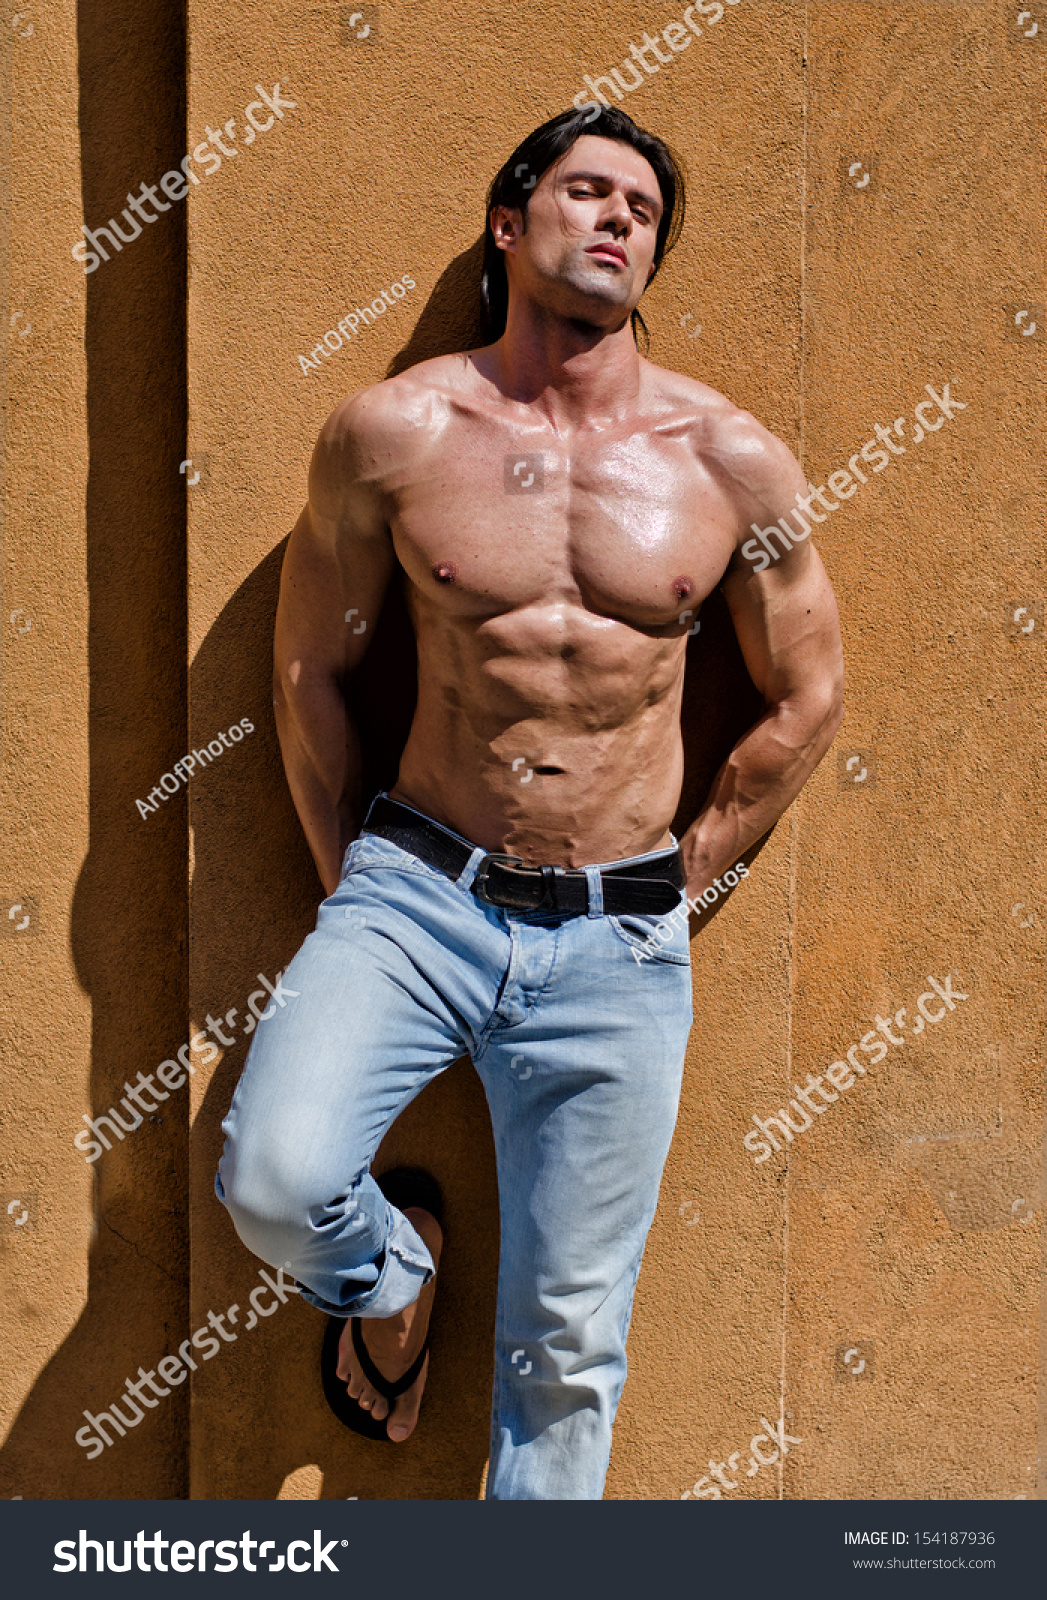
(393, 1343)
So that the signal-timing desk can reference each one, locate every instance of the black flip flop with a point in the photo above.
(403, 1187)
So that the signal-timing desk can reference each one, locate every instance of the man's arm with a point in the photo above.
(787, 625)
(339, 559)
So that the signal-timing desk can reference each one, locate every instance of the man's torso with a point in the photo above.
(553, 581)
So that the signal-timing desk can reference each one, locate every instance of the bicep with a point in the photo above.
(335, 574)
(787, 626)
(776, 587)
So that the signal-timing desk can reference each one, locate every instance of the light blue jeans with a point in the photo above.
(580, 1048)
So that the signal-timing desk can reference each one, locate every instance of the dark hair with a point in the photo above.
(515, 183)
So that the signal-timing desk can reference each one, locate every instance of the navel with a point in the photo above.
(445, 572)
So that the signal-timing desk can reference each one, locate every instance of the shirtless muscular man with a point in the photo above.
(557, 504)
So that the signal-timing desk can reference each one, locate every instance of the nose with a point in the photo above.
(618, 218)
(617, 229)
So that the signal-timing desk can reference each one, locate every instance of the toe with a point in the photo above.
(344, 1345)
(407, 1409)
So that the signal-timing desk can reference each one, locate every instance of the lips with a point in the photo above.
(614, 251)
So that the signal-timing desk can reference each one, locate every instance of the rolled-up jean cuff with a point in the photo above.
(402, 1278)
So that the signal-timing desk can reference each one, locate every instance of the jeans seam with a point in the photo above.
(494, 1025)
(500, 1397)
(494, 1022)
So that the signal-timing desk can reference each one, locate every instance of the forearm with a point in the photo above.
(756, 784)
(321, 754)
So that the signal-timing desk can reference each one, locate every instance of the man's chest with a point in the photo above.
(631, 525)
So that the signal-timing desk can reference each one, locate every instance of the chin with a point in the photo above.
(596, 299)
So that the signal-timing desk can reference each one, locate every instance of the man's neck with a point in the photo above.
(571, 373)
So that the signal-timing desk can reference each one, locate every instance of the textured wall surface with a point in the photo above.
(865, 220)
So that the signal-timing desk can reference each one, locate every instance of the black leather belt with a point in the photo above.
(505, 881)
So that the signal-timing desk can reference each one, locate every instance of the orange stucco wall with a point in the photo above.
(865, 219)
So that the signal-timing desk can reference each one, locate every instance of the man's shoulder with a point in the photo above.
(397, 407)
(724, 436)
(370, 436)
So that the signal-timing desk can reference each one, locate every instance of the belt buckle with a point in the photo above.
(483, 873)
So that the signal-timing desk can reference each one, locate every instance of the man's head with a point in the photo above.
(583, 180)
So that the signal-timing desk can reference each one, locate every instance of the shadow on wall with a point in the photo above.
(453, 316)
(258, 1413)
(129, 918)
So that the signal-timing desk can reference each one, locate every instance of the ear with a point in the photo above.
(506, 226)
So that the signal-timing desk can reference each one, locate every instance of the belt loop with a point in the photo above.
(469, 871)
(594, 883)
(550, 897)
(381, 795)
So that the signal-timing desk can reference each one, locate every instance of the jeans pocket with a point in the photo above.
(373, 853)
(640, 933)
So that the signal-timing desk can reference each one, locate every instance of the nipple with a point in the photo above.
(445, 572)
(683, 587)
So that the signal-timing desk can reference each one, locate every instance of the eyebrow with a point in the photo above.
(601, 177)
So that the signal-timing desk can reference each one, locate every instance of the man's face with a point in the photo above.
(592, 226)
